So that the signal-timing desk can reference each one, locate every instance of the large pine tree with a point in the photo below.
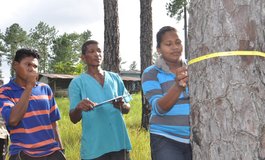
(146, 44)
(227, 93)
(111, 36)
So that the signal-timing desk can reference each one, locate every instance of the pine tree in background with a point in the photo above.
(146, 44)
(111, 36)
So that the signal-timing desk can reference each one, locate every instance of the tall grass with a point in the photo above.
(71, 133)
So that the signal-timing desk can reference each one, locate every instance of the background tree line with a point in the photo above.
(59, 53)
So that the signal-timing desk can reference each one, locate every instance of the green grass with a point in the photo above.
(71, 133)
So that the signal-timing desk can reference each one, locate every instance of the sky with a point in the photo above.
(69, 16)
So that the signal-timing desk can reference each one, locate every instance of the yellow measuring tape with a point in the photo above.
(230, 53)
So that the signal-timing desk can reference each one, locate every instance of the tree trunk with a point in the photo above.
(227, 93)
(146, 44)
(185, 31)
(111, 36)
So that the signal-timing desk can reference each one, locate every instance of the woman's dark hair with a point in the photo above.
(161, 32)
(86, 44)
(26, 52)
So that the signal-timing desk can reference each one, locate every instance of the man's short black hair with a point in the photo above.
(26, 52)
(86, 44)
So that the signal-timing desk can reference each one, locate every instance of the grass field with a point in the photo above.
(70, 133)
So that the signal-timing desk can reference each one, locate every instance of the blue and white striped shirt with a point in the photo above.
(173, 124)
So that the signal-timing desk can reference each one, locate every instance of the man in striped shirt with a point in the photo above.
(30, 112)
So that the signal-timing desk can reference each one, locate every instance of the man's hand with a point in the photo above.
(31, 79)
(118, 103)
(121, 105)
(85, 105)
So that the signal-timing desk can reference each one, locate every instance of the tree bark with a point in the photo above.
(111, 36)
(146, 44)
(227, 93)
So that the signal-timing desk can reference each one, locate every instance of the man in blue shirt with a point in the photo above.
(104, 134)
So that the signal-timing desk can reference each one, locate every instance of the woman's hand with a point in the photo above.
(182, 76)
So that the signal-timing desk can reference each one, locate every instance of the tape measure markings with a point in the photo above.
(230, 53)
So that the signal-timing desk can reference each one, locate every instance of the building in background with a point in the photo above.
(59, 82)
